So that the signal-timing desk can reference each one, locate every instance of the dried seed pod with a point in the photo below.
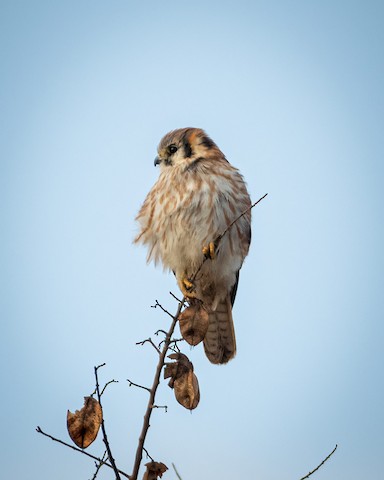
(154, 470)
(187, 391)
(84, 424)
(183, 380)
(193, 323)
(177, 369)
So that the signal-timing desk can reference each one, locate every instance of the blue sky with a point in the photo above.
(292, 92)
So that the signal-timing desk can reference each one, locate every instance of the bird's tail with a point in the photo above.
(220, 341)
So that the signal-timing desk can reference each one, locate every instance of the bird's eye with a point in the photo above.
(172, 149)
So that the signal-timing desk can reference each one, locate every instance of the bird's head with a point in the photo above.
(185, 147)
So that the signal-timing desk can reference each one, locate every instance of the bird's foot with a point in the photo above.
(209, 251)
(187, 288)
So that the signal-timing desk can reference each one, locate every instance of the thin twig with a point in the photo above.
(175, 347)
(161, 406)
(160, 331)
(152, 395)
(219, 238)
(39, 430)
(238, 218)
(177, 473)
(157, 304)
(149, 340)
(148, 455)
(106, 385)
(105, 438)
(137, 385)
(176, 298)
(99, 465)
(174, 341)
(322, 463)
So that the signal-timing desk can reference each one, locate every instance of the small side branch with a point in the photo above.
(133, 384)
(320, 465)
(105, 438)
(99, 460)
(106, 385)
(238, 218)
(157, 304)
(173, 343)
(99, 465)
(149, 340)
(161, 406)
(176, 298)
(160, 330)
(148, 455)
(220, 237)
(177, 473)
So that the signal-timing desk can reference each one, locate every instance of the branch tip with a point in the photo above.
(320, 464)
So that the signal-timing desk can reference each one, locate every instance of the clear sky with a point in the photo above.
(292, 92)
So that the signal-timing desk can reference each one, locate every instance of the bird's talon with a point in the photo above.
(187, 288)
(209, 251)
(188, 284)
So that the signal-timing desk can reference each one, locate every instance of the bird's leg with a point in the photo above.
(209, 251)
(187, 287)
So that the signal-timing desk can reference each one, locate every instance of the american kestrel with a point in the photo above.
(197, 196)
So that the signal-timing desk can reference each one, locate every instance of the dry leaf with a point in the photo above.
(177, 369)
(154, 470)
(84, 424)
(183, 380)
(193, 323)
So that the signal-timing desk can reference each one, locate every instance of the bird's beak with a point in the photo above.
(157, 161)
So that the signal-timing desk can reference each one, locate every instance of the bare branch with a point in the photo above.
(177, 473)
(320, 465)
(99, 465)
(39, 430)
(160, 331)
(161, 406)
(219, 238)
(105, 438)
(238, 218)
(152, 395)
(173, 345)
(174, 341)
(174, 296)
(166, 345)
(138, 386)
(106, 385)
(148, 455)
(157, 304)
(149, 340)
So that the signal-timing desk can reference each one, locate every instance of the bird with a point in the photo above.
(199, 196)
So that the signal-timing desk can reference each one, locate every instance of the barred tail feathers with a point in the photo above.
(220, 341)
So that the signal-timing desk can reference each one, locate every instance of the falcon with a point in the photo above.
(199, 196)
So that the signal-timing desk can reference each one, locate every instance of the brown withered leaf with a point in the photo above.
(154, 470)
(183, 380)
(177, 369)
(84, 424)
(193, 323)
(187, 391)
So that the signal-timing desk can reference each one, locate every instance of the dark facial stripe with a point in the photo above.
(187, 149)
(207, 142)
